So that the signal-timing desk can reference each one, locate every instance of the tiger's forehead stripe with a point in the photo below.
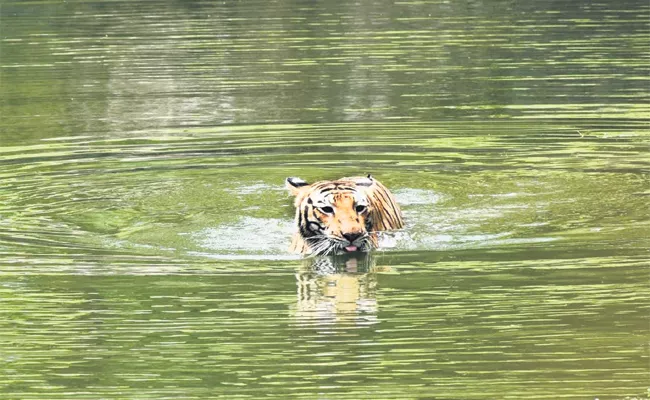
(334, 190)
(328, 187)
(337, 196)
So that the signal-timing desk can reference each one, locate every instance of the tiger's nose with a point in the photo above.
(352, 236)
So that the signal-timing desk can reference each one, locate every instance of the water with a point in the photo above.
(144, 223)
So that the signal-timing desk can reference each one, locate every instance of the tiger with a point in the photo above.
(341, 216)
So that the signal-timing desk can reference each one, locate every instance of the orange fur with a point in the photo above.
(343, 197)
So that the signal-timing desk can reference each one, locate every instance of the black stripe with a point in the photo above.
(300, 220)
(305, 215)
(391, 220)
(391, 203)
(305, 233)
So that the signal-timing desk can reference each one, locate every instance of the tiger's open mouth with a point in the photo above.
(326, 246)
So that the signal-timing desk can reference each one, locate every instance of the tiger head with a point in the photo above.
(335, 217)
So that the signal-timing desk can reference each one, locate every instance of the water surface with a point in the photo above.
(144, 223)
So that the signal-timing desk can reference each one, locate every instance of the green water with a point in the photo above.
(144, 223)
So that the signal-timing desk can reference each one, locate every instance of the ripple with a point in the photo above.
(220, 192)
(143, 222)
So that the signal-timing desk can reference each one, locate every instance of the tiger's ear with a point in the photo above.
(295, 185)
(368, 181)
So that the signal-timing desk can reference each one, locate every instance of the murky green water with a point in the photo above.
(144, 223)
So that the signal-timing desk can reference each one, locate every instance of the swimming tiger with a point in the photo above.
(341, 216)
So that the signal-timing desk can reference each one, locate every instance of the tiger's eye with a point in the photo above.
(327, 209)
(361, 208)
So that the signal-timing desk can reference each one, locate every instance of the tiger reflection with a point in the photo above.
(337, 288)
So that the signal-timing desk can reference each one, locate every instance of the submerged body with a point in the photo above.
(340, 216)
